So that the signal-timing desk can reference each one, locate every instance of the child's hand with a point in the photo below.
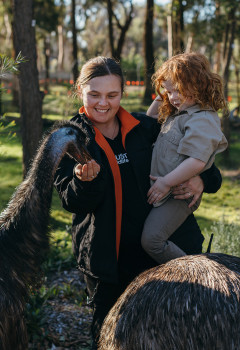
(158, 190)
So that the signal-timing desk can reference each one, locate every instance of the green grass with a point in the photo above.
(222, 208)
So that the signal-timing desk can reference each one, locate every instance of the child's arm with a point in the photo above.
(187, 169)
(153, 109)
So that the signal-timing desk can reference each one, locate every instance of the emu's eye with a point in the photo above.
(70, 132)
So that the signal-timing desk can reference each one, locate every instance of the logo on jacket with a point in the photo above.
(122, 158)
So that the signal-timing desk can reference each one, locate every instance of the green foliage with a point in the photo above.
(133, 67)
(46, 14)
(34, 313)
(60, 256)
(10, 65)
(226, 237)
(7, 128)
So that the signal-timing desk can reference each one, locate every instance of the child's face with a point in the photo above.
(175, 98)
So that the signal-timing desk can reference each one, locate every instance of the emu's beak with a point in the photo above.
(80, 155)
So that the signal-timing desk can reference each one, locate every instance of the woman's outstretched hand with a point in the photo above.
(190, 188)
(88, 171)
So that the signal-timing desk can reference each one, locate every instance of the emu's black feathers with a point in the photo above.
(24, 233)
(189, 303)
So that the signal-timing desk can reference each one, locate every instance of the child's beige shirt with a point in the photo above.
(194, 133)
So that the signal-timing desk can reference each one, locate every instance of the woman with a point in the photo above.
(108, 195)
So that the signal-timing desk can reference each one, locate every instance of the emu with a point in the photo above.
(189, 303)
(24, 229)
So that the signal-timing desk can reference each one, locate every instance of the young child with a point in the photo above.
(189, 139)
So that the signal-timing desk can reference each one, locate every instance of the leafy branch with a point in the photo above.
(10, 65)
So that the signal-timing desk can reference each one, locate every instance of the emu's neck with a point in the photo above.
(30, 204)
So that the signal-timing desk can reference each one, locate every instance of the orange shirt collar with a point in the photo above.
(128, 122)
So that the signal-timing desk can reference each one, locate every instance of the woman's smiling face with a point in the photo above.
(101, 98)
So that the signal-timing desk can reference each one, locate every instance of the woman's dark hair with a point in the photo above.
(97, 67)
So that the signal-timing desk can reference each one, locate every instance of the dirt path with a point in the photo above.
(65, 317)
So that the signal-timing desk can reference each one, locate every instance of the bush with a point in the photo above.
(226, 237)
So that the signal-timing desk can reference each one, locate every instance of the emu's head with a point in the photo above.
(68, 137)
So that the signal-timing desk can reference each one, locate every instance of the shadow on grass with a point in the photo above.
(6, 158)
(56, 225)
(203, 222)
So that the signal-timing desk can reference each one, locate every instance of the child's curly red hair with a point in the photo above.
(191, 74)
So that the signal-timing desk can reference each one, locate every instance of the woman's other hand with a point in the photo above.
(88, 171)
(190, 188)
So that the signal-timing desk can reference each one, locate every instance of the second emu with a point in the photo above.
(190, 303)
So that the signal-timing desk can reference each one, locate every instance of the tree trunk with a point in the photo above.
(8, 29)
(148, 52)
(231, 28)
(236, 64)
(116, 50)
(123, 33)
(110, 27)
(189, 43)
(30, 96)
(217, 62)
(217, 59)
(74, 42)
(181, 26)
(47, 59)
(178, 26)
(60, 47)
(15, 91)
(170, 41)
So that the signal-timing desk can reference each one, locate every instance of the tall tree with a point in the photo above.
(74, 40)
(81, 10)
(30, 96)
(177, 26)
(148, 51)
(116, 46)
(46, 16)
(230, 33)
(5, 26)
(218, 35)
(60, 31)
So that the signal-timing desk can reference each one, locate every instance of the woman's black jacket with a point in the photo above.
(93, 204)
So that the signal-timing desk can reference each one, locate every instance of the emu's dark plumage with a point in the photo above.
(24, 230)
(190, 303)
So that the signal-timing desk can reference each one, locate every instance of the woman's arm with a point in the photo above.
(212, 179)
(187, 169)
(79, 195)
(208, 181)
